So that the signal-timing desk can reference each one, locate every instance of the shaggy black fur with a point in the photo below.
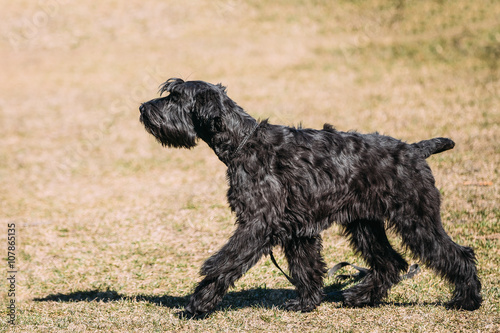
(286, 185)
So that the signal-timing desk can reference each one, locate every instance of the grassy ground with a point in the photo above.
(111, 229)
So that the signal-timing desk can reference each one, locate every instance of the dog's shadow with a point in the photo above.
(233, 300)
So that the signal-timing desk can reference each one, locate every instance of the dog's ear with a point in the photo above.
(208, 103)
(208, 110)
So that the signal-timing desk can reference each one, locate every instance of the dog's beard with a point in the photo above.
(176, 133)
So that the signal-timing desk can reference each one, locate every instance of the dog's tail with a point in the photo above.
(426, 148)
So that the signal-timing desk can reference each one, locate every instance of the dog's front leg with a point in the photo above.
(307, 269)
(241, 252)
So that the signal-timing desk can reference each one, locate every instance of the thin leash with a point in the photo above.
(276, 264)
(412, 271)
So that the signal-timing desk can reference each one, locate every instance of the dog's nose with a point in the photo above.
(141, 108)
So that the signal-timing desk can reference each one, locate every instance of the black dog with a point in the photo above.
(286, 185)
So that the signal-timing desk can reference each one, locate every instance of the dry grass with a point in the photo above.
(112, 228)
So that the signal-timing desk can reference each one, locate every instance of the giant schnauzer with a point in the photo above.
(287, 184)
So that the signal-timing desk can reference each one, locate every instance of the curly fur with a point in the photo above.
(287, 184)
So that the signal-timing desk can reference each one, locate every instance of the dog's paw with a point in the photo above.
(356, 302)
(194, 310)
(353, 302)
(358, 297)
(297, 305)
(464, 304)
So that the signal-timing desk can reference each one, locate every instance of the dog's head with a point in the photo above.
(191, 110)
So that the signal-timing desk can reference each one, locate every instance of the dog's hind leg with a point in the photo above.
(369, 239)
(237, 256)
(307, 269)
(425, 237)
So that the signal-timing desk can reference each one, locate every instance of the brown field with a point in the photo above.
(111, 228)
